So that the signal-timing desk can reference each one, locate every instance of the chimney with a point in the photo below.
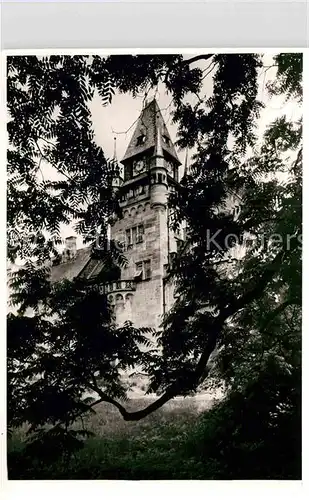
(69, 251)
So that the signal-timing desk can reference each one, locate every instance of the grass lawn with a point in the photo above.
(156, 447)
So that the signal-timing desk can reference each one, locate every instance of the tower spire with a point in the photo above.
(115, 149)
(186, 171)
(116, 168)
(145, 135)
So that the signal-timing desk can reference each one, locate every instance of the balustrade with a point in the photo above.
(116, 286)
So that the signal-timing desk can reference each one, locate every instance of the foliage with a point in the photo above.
(237, 318)
(150, 448)
(288, 79)
(66, 350)
(255, 434)
(50, 125)
(230, 441)
(253, 256)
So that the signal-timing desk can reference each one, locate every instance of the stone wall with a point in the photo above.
(147, 300)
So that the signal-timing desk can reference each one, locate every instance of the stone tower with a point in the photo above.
(150, 172)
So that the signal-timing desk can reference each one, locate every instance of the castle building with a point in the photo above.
(150, 172)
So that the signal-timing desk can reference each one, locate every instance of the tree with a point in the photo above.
(216, 310)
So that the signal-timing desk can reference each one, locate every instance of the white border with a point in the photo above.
(147, 23)
(134, 50)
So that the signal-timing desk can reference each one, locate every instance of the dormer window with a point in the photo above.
(140, 140)
(166, 140)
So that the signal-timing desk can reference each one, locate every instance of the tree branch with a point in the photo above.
(201, 370)
(198, 58)
(53, 164)
(187, 62)
(273, 314)
(136, 415)
(213, 65)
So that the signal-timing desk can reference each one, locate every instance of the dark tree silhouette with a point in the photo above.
(236, 317)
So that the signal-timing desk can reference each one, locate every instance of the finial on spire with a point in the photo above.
(115, 149)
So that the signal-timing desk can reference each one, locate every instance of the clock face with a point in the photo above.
(138, 166)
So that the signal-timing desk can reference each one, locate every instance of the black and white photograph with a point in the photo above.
(154, 265)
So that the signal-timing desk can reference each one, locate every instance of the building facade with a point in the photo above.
(150, 173)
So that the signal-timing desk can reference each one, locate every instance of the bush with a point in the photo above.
(244, 436)
(251, 436)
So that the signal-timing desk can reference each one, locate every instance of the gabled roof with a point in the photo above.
(93, 268)
(83, 264)
(151, 125)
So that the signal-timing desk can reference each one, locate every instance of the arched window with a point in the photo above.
(128, 306)
(119, 304)
(111, 303)
(119, 299)
(121, 311)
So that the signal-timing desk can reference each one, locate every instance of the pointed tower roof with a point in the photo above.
(151, 132)
(186, 169)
